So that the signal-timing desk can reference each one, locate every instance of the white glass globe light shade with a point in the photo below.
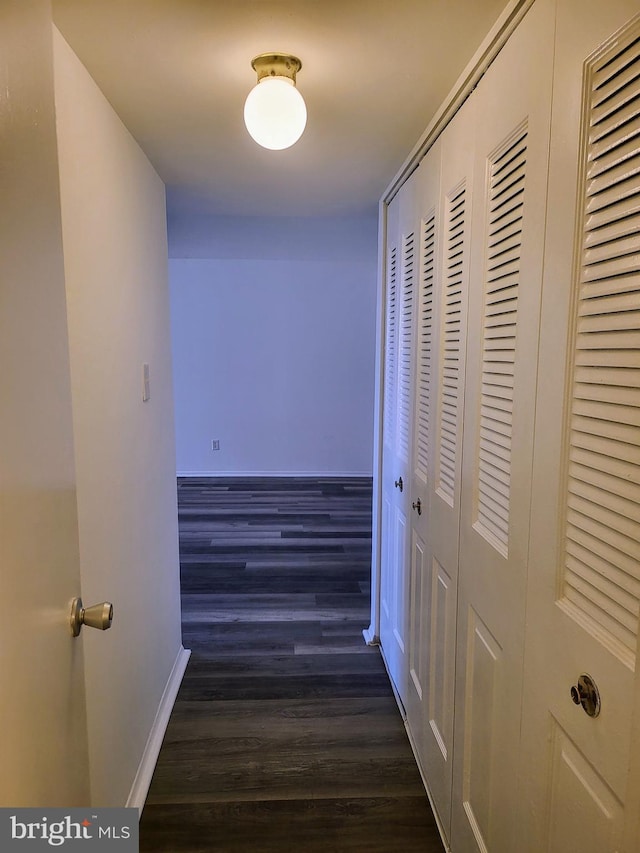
(275, 113)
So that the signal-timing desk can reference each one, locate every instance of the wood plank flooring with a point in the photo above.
(285, 735)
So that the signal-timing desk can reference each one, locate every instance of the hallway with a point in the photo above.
(285, 734)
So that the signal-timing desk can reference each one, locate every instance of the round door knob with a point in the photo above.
(98, 616)
(586, 693)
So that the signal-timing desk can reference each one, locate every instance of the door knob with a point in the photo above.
(98, 616)
(399, 484)
(586, 693)
(417, 505)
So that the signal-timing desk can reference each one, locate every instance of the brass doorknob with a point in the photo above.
(398, 483)
(586, 693)
(98, 616)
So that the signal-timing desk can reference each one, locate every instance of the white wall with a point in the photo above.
(274, 348)
(115, 254)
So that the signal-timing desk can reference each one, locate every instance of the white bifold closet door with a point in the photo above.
(445, 185)
(419, 687)
(401, 287)
(584, 586)
(425, 687)
(513, 111)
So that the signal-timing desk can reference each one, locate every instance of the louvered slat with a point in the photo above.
(599, 579)
(504, 240)
(581, 519)
(602, 530)
(609, 560)
(390, 351)
(456, 236)
(425, 342)
(405, 360)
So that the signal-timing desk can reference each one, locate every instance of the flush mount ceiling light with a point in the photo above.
(274, 112)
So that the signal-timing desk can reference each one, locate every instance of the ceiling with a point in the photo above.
(373, 74)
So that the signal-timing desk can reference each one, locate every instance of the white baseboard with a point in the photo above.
(141, 783)
(370, 637)
(416, 755)
(425, 782)
(326, 475)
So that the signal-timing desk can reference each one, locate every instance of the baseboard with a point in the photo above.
(370, 637)
(412, 744)
(396, 695)
(141, 783)
(322, 475)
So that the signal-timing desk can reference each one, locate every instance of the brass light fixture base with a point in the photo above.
(276, 65)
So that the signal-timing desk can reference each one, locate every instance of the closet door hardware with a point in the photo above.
(586, 693)
(417, 505)
(98, 616)
(398, 483)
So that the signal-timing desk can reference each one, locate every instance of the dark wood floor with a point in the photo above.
(285, 735)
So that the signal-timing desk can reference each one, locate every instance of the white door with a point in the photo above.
(513, 109)
(445, 487)
(438, 535)
(426, 680)
(584, 589)
(390, 474)
(397, 432)
(42, 711)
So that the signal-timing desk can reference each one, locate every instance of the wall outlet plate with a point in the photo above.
(215, 444)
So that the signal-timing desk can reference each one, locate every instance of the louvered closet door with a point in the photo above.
(429, 630)
(439, 419)
(585, 557)
(400, 299)
(513, 103)
(389, 558)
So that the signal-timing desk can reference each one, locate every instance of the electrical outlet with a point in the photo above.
(215, 444)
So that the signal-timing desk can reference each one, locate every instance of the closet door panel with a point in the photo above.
(424, 597)
(443, 487)
(584, 580)
(511, 163)
(390, 472)
(402, 283)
